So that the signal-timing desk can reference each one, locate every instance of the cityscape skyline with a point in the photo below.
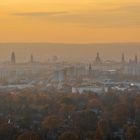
(70, 70)
(68, 52)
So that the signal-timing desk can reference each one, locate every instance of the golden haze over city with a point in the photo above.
(69, 69)
(69, 22)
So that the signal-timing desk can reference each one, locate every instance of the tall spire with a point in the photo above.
(90, 69)
(98, 59)
(136, 58)
(32, 59)
(123, 58)
(13, 58)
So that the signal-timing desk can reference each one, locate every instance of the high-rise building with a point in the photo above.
(13, 58)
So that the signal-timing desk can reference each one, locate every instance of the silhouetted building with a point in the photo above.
(65, 75)
(132, 68)
(98, 59)
(90, 70)
(136, 58)
(55, 59)
(32, 59)
(123, 58)
(13, 58)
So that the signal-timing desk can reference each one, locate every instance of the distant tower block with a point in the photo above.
(13, 58)
(98, 59)
(123, 58)
(32, 59)
(136, 58)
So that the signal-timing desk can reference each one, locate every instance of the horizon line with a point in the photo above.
(69, 43)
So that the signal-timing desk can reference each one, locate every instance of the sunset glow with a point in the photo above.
(75, 21)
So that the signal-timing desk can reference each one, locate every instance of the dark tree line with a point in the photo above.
(44, 116)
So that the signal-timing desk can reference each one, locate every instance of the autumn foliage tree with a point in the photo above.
(7, 131)
(68, 136)
(120, 115)
(52, 122)
(131, 132)
(29, 136)
(103, 130)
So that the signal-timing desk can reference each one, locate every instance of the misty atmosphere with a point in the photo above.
(69, 92)
(70, 70)
(70, 52)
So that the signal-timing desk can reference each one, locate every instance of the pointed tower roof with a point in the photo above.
(32, 59)
(13, 58)
(98, 59)
(136, 58)
(123, 58)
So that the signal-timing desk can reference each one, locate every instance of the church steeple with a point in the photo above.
(13, 58)
(123, 58)
(32, 59)
(136, 58)
(90, 69)
(98, 59)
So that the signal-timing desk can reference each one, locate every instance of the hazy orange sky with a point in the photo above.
(74, 21)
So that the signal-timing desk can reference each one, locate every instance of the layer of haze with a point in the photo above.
(74, 21)
(68, 52)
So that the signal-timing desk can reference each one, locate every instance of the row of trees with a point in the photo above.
(44, 116)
